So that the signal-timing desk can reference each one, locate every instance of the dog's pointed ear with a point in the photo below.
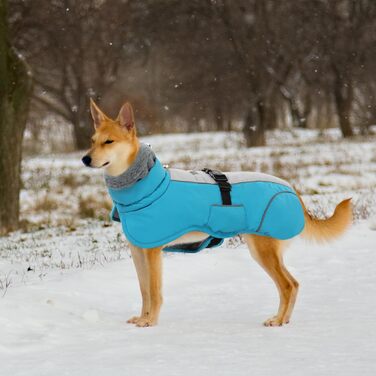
(97, 115)
(126, 117)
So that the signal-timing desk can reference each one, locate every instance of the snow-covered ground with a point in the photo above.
(74, 323)
(68, 282)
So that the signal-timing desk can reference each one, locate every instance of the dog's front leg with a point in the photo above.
(140, 262)
(154, 267)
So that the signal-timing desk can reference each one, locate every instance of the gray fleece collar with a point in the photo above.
(141, 166)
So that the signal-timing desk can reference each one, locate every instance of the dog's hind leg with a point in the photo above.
(154, 269)
(268, 253)
(140, 262)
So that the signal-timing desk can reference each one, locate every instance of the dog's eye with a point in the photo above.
(108, 141)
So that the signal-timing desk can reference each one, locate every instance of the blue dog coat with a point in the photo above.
(168, 203)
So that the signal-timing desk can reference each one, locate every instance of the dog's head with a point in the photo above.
(114, 143)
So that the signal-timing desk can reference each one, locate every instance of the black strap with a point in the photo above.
(224, 185)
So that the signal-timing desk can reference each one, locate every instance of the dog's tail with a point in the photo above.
(324, 230)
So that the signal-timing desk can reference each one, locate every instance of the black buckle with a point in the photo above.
(219, 177)
(216, 175)
(223, 184)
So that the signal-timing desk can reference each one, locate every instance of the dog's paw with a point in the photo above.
(133, 320)
(276, 321)
(144, 322)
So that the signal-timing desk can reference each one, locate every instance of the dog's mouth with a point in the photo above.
(105, 164)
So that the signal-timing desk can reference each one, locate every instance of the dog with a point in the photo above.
(116, 148)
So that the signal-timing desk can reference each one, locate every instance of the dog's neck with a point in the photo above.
(140, 167)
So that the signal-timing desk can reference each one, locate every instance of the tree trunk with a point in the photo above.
(218, 115)
(295, 114)
(229, 117)
(343, 95)
(15, 91)
(298, 119)
(82, 132)
(82, 125)
(254, 126)
(269, 114)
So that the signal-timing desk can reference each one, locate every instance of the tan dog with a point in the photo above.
(115, 146)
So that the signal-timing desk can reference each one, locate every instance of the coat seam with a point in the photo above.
(268, 206)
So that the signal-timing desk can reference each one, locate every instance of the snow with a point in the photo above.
(73, 323)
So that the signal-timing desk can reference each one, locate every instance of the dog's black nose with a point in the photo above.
(86, 160)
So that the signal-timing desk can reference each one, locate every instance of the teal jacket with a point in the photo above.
(168, 203)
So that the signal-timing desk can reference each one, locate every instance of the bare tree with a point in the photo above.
(345, 43)
(202, 64)
(15, 90)
(255, 40)
(80, 45)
